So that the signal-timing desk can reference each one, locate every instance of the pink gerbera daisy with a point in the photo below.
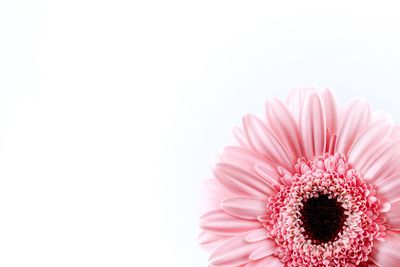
(310, 183)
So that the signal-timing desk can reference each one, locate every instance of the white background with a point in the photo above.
(111, 111)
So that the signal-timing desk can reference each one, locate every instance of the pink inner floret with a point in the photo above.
(332, 176)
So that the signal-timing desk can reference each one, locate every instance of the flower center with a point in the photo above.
(323, 218)
(324, 214)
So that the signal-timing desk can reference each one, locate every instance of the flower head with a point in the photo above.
(310, 184)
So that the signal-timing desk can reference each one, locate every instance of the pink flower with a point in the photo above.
(309, 184)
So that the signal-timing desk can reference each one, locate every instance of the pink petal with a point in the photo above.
(363, 147)
(354, 118)
(234, 252)
(257, 235)
(383, 164)
(364, 163)
(270, 261)
(244, 207)
(313, 126)
(269, 173)
(252, 162)
(210, 241)
(240, 137)
(330, 107)
(393, 216)
(395, 134)
(214, 192)
(241, 181)
(263, 251)
(265, 142)
(389, 188)
(282, 123)
(295, 101)
(332, 144)
(221, 223)
(387, 253)
(247, 159)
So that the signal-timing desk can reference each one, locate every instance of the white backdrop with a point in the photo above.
(111, 111)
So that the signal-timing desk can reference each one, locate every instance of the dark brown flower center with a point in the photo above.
(322, 218)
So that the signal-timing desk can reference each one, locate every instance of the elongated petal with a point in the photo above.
(393, 216)
(248, 160)
(395, 134)
(240, 136)
(269, 173)
(210, 241)
(244, 207)
(257, 235)
(365, 163)
(265, 142)
(387, 252)
(295, 101)
(389, 188)
(282, 123)
(253, 163)
(241, 181)
(214, 192)
(263, 251)
(384, 164)
(313, 126)
(269, 261)
(354, 118)
(332, 144)
(330, 107)
(221, 223)
(234, 252)
(363, 147)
